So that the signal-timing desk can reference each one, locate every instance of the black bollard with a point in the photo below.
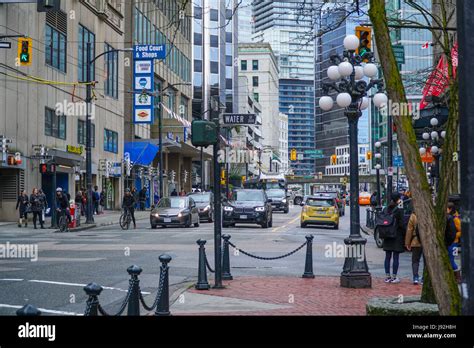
(92, 290)
(163, 308)
(28, 311)
(134, 301)
(202, 283)
(226, 259)
(308, 266)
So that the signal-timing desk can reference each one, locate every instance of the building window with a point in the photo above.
(198, 39)
(256, 97)
(228, 83)
(111, 71)
(228, 61)
(82, 135)
(110, 141)
(255, 81)
(254, 64)
(85, 37)
(228, 37)
(197, 65)
(54, 125)
(197, 12)
(243, 65)
(214, 41)
(55, 48)
(214, 67)
(214, 15)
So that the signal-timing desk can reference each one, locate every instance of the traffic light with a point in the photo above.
(47, 168)
(365, 40)
(223, 177)
(204, 133)
(293, 154)
(25, 51)
(333, 159)
(368, 155)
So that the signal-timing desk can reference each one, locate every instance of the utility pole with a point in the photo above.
(465, 13)
(89, 209)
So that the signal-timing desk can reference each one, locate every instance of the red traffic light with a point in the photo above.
(11, 161)
(43, 168)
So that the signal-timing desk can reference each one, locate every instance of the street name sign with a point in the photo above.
(239, 119)
(4, 44)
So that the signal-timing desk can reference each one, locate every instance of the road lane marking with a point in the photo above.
(52, 311)
(81, 285)
(12, 279)
(286, 225)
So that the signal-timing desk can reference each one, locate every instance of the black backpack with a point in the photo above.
(386, 224)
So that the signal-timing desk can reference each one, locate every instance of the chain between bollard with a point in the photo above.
(207, 264)
(158, 294)
(268, 258)
(124, 304)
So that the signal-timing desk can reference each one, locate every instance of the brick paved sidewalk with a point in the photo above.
(319, 296)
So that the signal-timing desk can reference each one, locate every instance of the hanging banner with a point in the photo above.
(143, 74)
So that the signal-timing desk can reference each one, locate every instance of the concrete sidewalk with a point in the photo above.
(287, 296)
(109, 217)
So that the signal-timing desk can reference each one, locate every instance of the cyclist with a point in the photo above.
(62, 205)
(128, 205)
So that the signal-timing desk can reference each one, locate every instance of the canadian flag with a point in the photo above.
(425, 45)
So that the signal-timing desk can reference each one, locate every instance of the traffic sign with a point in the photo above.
(313, 152)
(398, 161)
(399, 52)
(390, 171)
(4, 44)
(239, 119)
(314, 155)
(149, 51)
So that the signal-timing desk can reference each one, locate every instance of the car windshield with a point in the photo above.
(276, 193)
(315, 202)
(173, 202)
(201, 198)
(254, 196)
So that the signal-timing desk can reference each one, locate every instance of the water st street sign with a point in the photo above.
(399, 52)
(239, 119)
(149, 52)
(4, 44)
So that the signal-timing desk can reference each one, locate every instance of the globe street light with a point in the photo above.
(352, 88)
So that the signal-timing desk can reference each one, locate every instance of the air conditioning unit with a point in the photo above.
(101, 7)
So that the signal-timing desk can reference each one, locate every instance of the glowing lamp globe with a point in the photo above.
(351, 42)
(426, 136)
(422, 151)
(380, 100)
(344, 100)
(364, 103)
(378, 144)
(434, 149)
(370, 70)
(434, 135)
(326, 103)
(378, 166)
(443, 134)
(345, 69)
(378, 155)
(434, 122)
(333, 72)
(359, 72)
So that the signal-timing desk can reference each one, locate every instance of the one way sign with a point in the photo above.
(239, 119)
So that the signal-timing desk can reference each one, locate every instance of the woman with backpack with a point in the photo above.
(394, 246)
(452, 238)
(413, 244)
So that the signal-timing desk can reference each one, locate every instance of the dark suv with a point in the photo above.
(279, 200)
(248, 206)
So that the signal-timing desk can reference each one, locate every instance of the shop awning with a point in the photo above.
(141, 152)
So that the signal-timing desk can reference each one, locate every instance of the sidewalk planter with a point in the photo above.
(395, 306)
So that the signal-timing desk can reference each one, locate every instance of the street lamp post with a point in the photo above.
(89, 62)
(352, 95)
(433, 138)
(378, 156)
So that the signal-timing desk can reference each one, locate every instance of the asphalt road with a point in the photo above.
(68, 261)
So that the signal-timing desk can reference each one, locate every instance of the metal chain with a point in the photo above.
(268, 258)
(158, 294)
(207, 264)
(124, 304)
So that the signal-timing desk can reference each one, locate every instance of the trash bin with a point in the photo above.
(72, 211)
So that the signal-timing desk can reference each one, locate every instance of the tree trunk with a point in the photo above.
(430, 225)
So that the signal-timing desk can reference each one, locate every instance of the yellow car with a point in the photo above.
(320, 211)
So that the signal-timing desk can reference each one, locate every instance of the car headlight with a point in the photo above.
(260, 209)
(183, 213)
(283, 200)
(207, 208)
(156, 215)
(227, 208)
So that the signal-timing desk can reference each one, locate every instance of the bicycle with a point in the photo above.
(62, 221)
(125, 219)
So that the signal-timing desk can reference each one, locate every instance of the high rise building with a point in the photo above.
(332, 126)
(288, 27)
(246, 21)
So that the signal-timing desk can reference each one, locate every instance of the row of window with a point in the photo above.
(243, 65)
(147, 33)
(55, 126)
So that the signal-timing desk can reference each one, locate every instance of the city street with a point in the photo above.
(68, 261)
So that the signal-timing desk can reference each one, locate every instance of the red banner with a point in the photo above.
(438, 81)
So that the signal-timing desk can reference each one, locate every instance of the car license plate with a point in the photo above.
(167, 220)
(243, 217)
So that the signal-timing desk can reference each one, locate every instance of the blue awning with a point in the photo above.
(141, 152)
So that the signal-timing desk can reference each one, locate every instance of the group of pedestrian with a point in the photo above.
(175, 193)
(410, 240)
(36, 204)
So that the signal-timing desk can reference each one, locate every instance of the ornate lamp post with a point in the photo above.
(352, 95)
(378, 166)
(433, 139)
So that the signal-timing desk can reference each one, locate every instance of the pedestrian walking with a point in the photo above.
(373, 200)
(79, 208)
(453, 237)
(182, 193)
(22, 205)
(84, 202)
(45, 204)
(36, 202)
(393, 247)
(134, 194)
(102, 201)
(174, 193)
(96, 199)
(142, 198)
(413, 244)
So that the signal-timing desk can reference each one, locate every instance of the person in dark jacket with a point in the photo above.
(96, 199)
(394, 246)
(36, 202)
(45, 203)
(128, 204)
(142, 198)
(62, 205)
(174, 193)
(373, 200)
(102, 201)
(134, 193)
(79, 208)
(23, 203)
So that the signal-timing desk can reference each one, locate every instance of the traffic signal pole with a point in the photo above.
(89, 209)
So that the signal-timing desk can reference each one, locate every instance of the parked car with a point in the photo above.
(205, 204)
(341, 203)
(248, 206)
(279, 200)
(320, 210)
(175, 211)
(364, 198)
